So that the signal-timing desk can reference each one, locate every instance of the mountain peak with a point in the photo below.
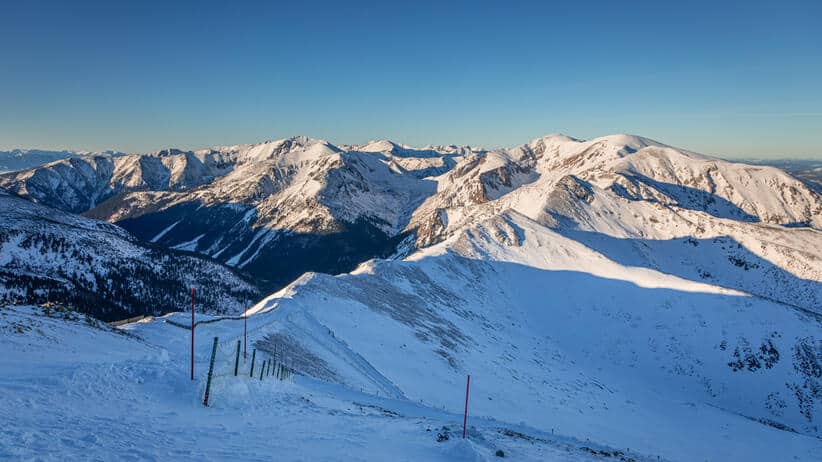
(558, 137)
(621, 141)
(297, 146)
(625, 140)
(379, 146)
(168, 152)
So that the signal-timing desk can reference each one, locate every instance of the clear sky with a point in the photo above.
(733, 79)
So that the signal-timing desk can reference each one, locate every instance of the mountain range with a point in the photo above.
(614, 292)
(280, 208)
(22, 159)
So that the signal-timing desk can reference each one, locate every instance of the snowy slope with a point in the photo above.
(631, 167)
(572, 355)
(558, 336)
(650, 205)
(807, 170)
(615, 294)
(78, 390)
(50, 255)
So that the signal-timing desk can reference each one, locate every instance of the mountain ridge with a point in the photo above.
(617, 291)
(253, 205)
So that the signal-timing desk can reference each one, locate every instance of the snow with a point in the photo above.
(559, 337)
(565, 346)
(79, 392)
(270, 235)
(379, 146)
(57, 253)
(21, 159)
(235, 260)
(189, 245)
(616, 294)
(164, 231)
(312, 186)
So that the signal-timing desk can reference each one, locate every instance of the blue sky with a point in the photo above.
(734, 79)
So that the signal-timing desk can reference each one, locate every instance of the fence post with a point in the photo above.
(253, 355)
(192, 334)
(210, 371)
(465, 415)
(237, 359)
(262, 370)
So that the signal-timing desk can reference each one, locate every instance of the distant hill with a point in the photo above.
(807, 170)
(22, 159)
(47, 255)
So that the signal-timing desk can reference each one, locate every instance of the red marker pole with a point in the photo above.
(192, 333)
(465, 415)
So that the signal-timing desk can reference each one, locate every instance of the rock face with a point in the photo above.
(99, 268)
(280, 208)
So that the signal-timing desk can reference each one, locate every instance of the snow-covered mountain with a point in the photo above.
(632, 168)
(47, 255)
(22, 159)
(274, 209)
(615, 297)
(562, 338)
(77, 184)
(646, 204)
(807, 170)
(280, 208)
